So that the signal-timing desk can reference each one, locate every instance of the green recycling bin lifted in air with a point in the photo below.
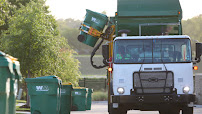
(66, 92)
(79, 97)
(6, 73)
(96, 21)
(44, 94)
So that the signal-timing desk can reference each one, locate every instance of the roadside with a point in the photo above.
(100, 107)
(20, 103)
(21, 112)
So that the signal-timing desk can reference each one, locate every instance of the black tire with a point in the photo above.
(187, 110)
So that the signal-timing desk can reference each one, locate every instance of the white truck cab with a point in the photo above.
(150, 72)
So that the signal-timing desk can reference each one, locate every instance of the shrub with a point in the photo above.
(99, 96)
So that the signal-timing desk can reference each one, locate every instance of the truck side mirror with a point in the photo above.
(198, 51)
(105, 53)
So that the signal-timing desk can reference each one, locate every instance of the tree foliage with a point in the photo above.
(7, 9)
(4, 14)
(34, 39)
(193, 27)
(69, 28)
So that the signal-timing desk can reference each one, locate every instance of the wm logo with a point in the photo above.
(95, 20)
(42, 88)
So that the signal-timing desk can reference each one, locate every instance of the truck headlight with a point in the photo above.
(120, 90)
(186, 89)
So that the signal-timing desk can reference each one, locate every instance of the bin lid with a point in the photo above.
(66, 89)
(90, 90)
(100, 15)
(16, 67)
(6, 62)
(43, 79)
(80, 89)
(46, 77)
(7, 58)
(67, 85)
(2, 53)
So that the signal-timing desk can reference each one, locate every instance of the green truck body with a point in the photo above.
(149, 17)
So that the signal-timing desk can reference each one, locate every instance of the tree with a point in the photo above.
(192, 27)
(7, 9)
(69, 28)
(104, 12)
(4, 10)
(70, 23)
(33, 38)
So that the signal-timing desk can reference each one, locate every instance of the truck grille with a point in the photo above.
(153, 82)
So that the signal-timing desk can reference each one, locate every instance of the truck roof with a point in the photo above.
(152, 37)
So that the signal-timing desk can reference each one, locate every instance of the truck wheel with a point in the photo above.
(187, 110)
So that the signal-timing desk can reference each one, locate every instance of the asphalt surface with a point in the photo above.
(100, 107)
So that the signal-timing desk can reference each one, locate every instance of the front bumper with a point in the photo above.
(153, 98)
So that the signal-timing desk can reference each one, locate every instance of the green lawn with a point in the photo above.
(21, 109)
(99, 96)
(20, 101)
(86, 68)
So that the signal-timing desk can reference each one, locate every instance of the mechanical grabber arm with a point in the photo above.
(106, 49)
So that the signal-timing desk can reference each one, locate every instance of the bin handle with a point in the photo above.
(91, 31)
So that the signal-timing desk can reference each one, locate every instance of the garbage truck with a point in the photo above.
(149, 60)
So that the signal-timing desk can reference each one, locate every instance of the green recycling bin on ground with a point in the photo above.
(79, 97)
(44, 94)
(66, 92)
(6, 73)
(14, 82)
(89, 99)
(96, 21)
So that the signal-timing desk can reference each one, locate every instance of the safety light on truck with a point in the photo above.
(186, 89)
(120, 90)
(110, 69)
(195, 67)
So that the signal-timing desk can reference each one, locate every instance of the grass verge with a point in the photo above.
(18, 108)
(22, 109)
(100, 96)
(20, 101)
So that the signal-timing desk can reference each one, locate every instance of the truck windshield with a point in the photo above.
(152, 51)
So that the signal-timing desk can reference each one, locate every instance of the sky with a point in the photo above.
(76, 9)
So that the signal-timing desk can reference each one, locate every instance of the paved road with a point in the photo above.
(101, 108)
